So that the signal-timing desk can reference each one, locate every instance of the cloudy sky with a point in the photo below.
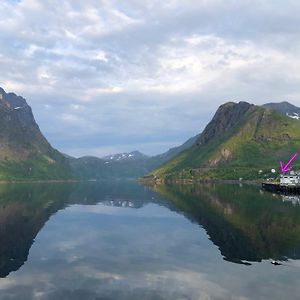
(105, 76)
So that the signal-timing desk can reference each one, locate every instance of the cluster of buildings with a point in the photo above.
(290, 179)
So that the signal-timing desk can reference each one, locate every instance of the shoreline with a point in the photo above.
(143, 181)
(63, 180)
(157, 181)
(37, 181)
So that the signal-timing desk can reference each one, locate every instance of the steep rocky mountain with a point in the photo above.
(20, 135)
(225, 119)
(24, 151)
(242, 140)
(285, 108)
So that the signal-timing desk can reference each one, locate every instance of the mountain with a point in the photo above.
(123, 165)
(285, 108)
(94, 168)
(241, 141)
(24, 151)
(131, 156)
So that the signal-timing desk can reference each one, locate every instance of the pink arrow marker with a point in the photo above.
(286, 167)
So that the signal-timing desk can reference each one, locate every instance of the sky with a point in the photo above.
(105, 77)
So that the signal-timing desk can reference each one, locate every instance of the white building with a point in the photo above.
(290, 179)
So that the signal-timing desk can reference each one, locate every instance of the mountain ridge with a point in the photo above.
(285, 108)
(110, 167)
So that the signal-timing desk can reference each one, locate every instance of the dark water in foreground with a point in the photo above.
(110, 241)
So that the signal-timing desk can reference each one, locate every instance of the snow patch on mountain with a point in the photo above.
(293, 115)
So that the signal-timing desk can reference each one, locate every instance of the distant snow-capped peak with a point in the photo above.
(134, 155)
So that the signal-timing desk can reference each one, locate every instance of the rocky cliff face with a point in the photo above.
(24, 151)
(226, 118)
(20, 135)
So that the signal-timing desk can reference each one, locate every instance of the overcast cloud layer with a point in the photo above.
(111, 76)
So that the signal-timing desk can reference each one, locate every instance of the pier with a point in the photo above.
(289, 183)
(277, 187)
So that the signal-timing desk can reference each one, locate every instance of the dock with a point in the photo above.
(277, 187)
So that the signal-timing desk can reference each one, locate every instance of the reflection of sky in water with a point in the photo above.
(102, 252)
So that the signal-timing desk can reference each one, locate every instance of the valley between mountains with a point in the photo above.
(241, 141)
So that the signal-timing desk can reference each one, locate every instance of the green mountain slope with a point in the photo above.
(24, 151)
(240, 140)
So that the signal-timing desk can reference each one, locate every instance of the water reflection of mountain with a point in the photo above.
(24, 209)
(23, 212)
(245, 223)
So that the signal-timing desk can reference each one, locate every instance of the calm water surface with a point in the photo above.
(124, 241)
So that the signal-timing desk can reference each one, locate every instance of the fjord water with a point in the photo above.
(119, 240)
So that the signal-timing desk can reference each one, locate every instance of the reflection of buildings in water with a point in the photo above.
(118, 203)
(294, 199)
(123, 203)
